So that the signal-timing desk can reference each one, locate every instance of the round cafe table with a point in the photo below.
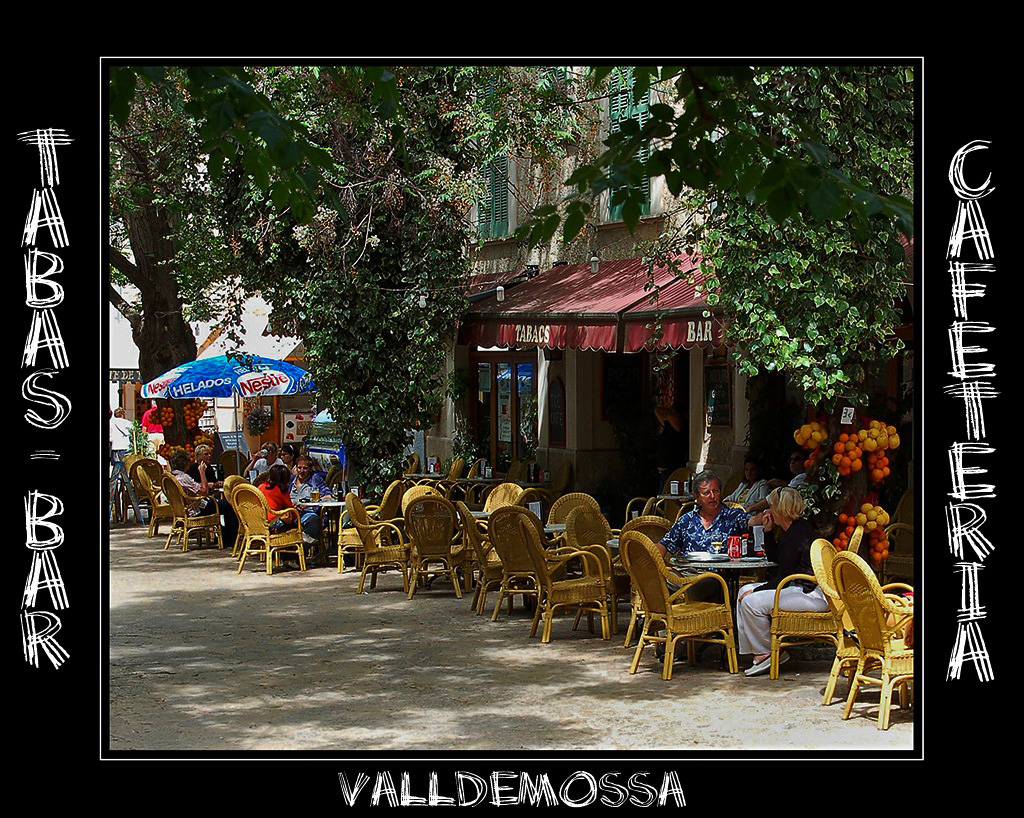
(730, 570)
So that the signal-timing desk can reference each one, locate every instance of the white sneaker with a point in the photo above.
(308, 539)
(765, 665)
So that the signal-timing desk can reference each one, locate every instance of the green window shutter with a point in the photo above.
(621, 107)
(492, 212)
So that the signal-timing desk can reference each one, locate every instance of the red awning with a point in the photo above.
(686, 319)
(572, 307)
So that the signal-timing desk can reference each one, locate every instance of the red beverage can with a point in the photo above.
(735, 546)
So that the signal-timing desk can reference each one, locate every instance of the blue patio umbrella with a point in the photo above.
(224, 376)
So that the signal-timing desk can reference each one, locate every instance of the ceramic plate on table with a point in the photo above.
(706, 556)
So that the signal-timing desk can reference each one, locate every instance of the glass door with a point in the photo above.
(505, 423)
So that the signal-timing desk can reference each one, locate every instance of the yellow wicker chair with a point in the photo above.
(503, 494)
(516, 471)
(559, 484)
(567, 502)
(682, 474)
(637, 505)
(674, 613)
(518, 575)
(795, 628)
(732, 483)
(149, 488)
(654, 528)
(253, 518)
(585, 527)
(586, 593)
(183, 525)
(384, 546)
(232, 461)
(390, 507)
(900, 562)
(476, 468)
(432, 527)
(412, 464)
(482, 555)
(665, 507)
(415, 493)
(879, 623)
(231, 482)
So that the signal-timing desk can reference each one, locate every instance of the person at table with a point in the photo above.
(204, 504)
(276, 490)
(752, 488)
(709, 521)
(300, 489)
(787, 541)
(264, 459)
(671, 445)
(289, 453)
(204, 454)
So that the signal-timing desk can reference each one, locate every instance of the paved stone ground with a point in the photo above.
(202, 658)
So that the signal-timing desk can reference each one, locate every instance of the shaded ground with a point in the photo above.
(204, 659)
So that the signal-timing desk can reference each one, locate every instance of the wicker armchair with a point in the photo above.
(232, 461)
(147, 481)
(431, 524)
(668, 508)
(384, 546)
(390, 507)
(654, 528)
(584, 528)
(794, 628)
(503, 494)
(559, 484)
(183, 525)
(231, 482)
(567, 502)
(674, 613)
(254, 519)
(412, 464)
(415, 493)
(635, 505)
(518, 575)
(516, 471)
(823, 555)
(587, 593)
(682, 474)
(482, 555)
(879, 623)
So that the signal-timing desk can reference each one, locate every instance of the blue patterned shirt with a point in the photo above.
(304, 492)
(688, 533)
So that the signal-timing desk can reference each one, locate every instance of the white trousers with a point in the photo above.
(753, 613)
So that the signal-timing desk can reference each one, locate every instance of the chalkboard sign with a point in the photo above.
(234, 440)
(718, 395)
(556, 413)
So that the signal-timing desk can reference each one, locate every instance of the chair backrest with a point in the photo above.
(506, 535)
(471, 533)
(560, 483)
(503, 494)
(230, 482)
(854, 545)
(532, 495)
(651, 526)
(516, 471)
(731, 484)
(643, 561)
(252, 509)
(174, 493)
(567, 502)
(533, 541)
(390, 503)
(412, 464)
(232, 461)
(680, 474)
(430, 523)
(148, 468)
(585, 526)
(864, 601)
(904, 511)
(458, 466)
(474, 470)
(361, 520)
(415, 493)
(261, 478)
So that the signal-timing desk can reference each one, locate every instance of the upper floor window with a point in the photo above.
(622, 107)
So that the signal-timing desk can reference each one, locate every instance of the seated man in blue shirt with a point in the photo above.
(709, 521)
(304, 481)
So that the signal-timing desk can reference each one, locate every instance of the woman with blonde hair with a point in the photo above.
(788, 538)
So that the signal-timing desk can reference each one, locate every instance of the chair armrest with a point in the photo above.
(784, 583)
(895, 587)
(286, 512)
(382, 526)
(686, 583)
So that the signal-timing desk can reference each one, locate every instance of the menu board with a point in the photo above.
(296, 426)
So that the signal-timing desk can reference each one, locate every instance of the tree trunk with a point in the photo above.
(163, 336)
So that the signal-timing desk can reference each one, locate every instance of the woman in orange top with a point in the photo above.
(275, 489)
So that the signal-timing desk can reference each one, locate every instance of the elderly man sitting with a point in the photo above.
(709, 521)
(201, 489)
(304, 482)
